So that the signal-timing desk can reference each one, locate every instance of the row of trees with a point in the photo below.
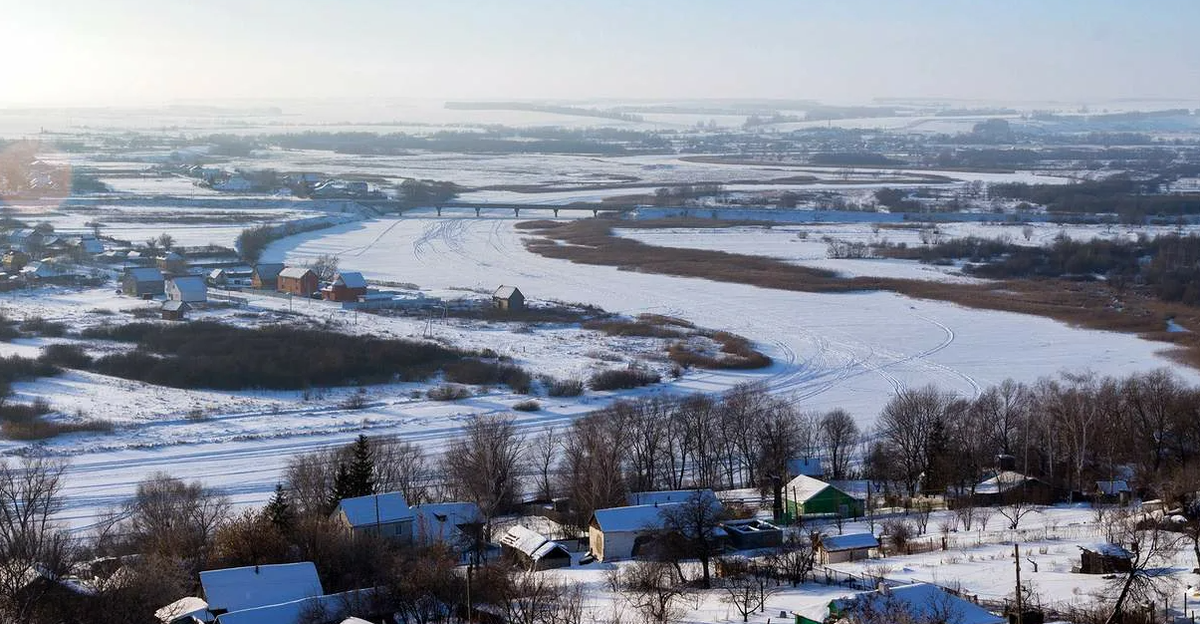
(1069, 431)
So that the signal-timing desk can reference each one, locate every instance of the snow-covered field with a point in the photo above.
(851, 351)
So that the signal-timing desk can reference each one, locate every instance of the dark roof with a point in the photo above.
(268, 270)
(175, 305)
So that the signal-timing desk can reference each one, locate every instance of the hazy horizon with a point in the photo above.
(133, 52)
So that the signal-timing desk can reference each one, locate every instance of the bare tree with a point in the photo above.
(1016, 510)
(401, 466)
(1152, 547)
(965, 513)
(32, 545)
(544, 451)
(839, 435)
(693, 526)
(325, 266)
(174, 519)
(906, 423)
(483, 465)
(795, 558)
(654, 589)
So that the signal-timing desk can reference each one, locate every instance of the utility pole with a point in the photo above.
(1017, 561)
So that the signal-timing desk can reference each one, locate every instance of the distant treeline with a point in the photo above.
(607, 141)
(1132, 200)
(1168, 266)
(577, 111)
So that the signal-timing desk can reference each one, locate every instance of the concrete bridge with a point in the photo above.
(516, 209)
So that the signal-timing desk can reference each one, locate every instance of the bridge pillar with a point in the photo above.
(556, 213)
(477, 212)
(595, 212)
(516, 212)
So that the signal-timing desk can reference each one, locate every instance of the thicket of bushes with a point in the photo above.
(482, 373)
(623, 379)
(206, 354)
(736, 353)
(563, 387)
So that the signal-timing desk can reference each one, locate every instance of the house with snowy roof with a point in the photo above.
(346, 286)
(805, 495)
(620, 532)
(142, 282)
(849, 547)
(919, 602)
(532, 550)
(1009, 486)
(457, 525)
(1104, 558)
(662, 497)
(249, 587)
(189, 289)
(508, 298)
(387, 515)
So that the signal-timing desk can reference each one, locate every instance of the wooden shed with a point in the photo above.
(849, 547)
(1104, 559)
(508, 298)
(346, 286)
(175, 310)
(297, 281)
(532, 550)
(753, 534)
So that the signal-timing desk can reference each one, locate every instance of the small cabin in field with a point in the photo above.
(175, 310)
(1114, 491)
(508, 298)
(142, 282)
(265, 276)
(753, 534)
(173, 262)
(1009, 486)
(217, 277)
(346, 286)
(532, 550)
(297, 281)
(1104, 559)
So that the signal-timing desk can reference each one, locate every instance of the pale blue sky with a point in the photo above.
(140, 51)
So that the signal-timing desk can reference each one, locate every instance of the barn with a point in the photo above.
(297, 281)
(142, 282)
(1009, 486)
(189, 288)
(508, 298)
(346, 286)
(805, 495)
(532, 550)
(266, 275)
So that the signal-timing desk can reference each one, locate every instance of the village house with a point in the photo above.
(187, 610)
(217, 277)
(346, 286)
(142, 282)
(620, 532)
(386, 515)
(508, 298)
(662, 497)
(1104, 558)
(532, 550)
(297, 281)
(807, 466)
(457, 525)
(919, 602)
(1009, 486)
(265, 276)
(187, 288)
(26, 239)
(843, 548)
(236, 589)
(173, 262)
(175, 310)
(805, 495)
(38, 270)
(1115, 491)
(15, 260)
